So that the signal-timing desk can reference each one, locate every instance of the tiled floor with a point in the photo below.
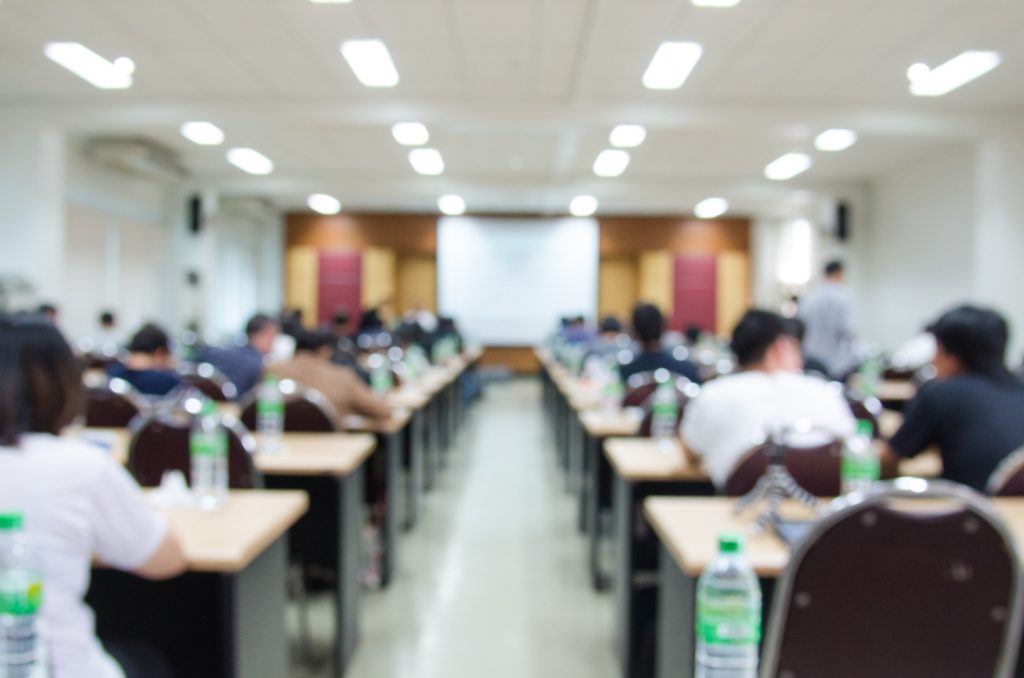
(492, 582)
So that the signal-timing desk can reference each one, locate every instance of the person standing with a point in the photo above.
(828, 315)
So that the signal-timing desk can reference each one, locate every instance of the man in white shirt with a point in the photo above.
(735, 413)
(828, 316)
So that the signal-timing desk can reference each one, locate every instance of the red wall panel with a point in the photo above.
(341, 285)
(695, 292)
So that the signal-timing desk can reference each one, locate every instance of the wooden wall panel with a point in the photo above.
(695, 292)
(301, 283)
(733, 290)
(617, 287)
(656, 275)
(417, 283)
(380, 276)
(401, 232)
(519, 359)
(632, 235)
(340, 285)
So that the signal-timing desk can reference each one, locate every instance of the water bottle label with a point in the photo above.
(269, 408)
(21, 601)
(728, 624)
(212, 446)
(666, 410)
(865, 467)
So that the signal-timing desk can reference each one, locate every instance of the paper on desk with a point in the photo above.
(173, 491)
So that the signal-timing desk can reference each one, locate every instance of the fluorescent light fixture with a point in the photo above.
(426, 160)
(330, 2)
(250, 160)
(410, 133)
(323, 203)
(711, 208)
(371, 62)
(611, 163)
(956, 72)
(715, 3)
(672, 64)
(788, 166)
(90, 66)
(452, 205)
(202, 133)
(835, 140)
(583, 206)
(627, 136)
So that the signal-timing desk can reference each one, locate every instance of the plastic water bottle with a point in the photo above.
(380, 375)
(208, 449)
(611, 397)
(860, 466)
(21, 592)
(270, 416)
(664, 408)
(728, 614)
(870, 372)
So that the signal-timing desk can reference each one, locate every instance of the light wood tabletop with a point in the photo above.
(229, 539)
(602, 424)
(409, 397)
(360, 424)
(648, 459)
(896, 390)
(688, 527)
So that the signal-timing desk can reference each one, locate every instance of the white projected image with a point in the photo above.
(508, 281)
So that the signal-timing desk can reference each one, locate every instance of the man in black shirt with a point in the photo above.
(974, 410)
(648, 325)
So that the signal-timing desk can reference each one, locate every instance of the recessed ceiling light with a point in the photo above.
(715, 3)
(583, 206)
(672, 64)
(452, 205)
(202, 133)
(410, 133)
(835, 140)
(90, 66)
(426, 161)
(711, 208)
(627, 136)
(611, 163)
(323, 203)
(371, 62)
(250, 160)
(787, 166)
(956, 72)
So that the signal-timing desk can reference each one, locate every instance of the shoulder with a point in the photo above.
(67, 456)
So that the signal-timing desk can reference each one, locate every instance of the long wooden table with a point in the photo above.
(226, 615)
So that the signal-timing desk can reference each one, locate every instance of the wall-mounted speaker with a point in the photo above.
(195, 214)
(842, 222)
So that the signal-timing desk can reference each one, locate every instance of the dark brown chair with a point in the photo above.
(686, 391)
(305, 410)
(639, 389)
(868, 408)
(815, 468)
(160, 443)
(112, 404)
(891, 586)
(209, 381)
(1008, 478)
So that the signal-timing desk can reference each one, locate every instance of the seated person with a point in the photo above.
(312, 367)
(734, 412)
(611, 340)
(243, 365)
(973, 411)
(149, 367)
(77, 503)
(648, 325)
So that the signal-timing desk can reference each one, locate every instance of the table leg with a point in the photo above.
(416, 477)
(676, 601)
(393, 453)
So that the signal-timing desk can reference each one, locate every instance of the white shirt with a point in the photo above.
(734, 413)
(77, 504)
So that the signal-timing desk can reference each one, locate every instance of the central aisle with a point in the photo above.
(492, 582)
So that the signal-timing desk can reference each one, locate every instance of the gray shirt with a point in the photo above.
(828, 316)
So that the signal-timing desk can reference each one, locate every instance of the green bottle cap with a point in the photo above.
(730, 542)
(865, 428)
(11, 521)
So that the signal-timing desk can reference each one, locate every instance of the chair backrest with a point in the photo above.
(305, 410)
(112, 403)
(160, 443)
(889, 585)
(815, 468)
(686, 391)
(639, 388)
(1008, 478)
(209, 381)
(868, 408)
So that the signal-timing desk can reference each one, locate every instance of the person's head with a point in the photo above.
(340, 322)
(40, 380)
(834, 271)
(107, 320)
(611, 325)
(648, 323)
(151, 340)
(48, 311)
(318, 342)
(693, 333)
(766, 341)
(261, 331)
(970, 339)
